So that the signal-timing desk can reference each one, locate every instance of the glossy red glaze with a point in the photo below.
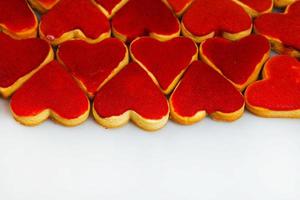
(280, 91)
(236, 60)
(179, 5)
(50, 88)
(258, 5)
(68, 15)
(203, 89)
(92, 63)
(20, 57)
(47, 3)
(131, 89)
(108, 5)
(16, 15)
(207, 16)
(142, 17)
(284, 27)
(165, 60)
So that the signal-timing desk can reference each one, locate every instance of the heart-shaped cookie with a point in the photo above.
(51, 92)
(256, 7)
(131, 94)
(204, 91)
(278, 94)
(239, 61)
(179, 6)
(207, 18)
(110, 7)
(43, 5)
(165, 62)
(17, 19)
(93, 65)
(147, 17)
(283, 3)
(282, 29)
(69, 20)
(19, 60)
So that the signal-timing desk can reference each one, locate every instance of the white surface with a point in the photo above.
(251, 159)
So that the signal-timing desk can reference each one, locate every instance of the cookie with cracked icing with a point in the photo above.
(256, 7)
(19, 60)
(166, 61)
(283, 3)
(278, 94)
(131, 95)
(203, 91)
(206, 19)
(143, 18)
(43, 5)
(282, 29)
(239, 61)
(93, 65)
(50, 93)
(17, 19)
(110, 7)
(179, 6)
(68, 20)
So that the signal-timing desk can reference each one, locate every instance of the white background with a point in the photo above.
(251, 159)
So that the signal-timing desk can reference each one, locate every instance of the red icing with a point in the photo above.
(236, 60)
(109, 5)
(50, 88)
(16, 16)
(142, 17)
(47, 3)
(285, 27)
(203, 89)
(280, 91)
(68, 15)
(131, 89)
(20, 57)
(258, 5)
(207, 16)
(165, 60)
(179, 5)
(92, 63)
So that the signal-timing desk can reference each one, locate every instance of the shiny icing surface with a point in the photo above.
(92, 63)
(203, 89)
(16, 15)
(218, 16)
(283, 27)
(20, 57)
(143, 17)
(165, 60)
(108, 5)
(236, 60)
(258, 5)
(131, 89)
(50, 88)
(280, 90)
(68, 16)
(179, 5)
